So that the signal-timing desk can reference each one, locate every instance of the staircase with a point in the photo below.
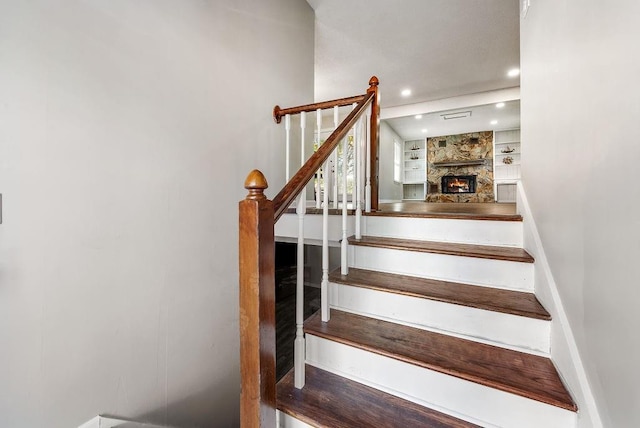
(435, 325)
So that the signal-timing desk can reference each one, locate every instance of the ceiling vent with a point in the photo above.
(456, 115)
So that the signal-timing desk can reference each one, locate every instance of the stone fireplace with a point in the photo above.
(460, 168)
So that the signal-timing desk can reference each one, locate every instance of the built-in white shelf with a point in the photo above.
(414, 174)
(506, 175)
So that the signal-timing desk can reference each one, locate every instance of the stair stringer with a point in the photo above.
(564, 350)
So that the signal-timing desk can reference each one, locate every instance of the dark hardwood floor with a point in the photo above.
(489, 210)
(471, 210)
(286, 317)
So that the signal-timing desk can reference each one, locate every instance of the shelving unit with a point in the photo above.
(506, 144)
(414, 174)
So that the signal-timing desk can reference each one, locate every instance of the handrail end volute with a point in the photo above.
(255, 183)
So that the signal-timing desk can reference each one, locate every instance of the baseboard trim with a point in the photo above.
(589, 416)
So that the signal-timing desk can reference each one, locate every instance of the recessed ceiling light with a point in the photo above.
(500, 105)
(513, 72)
(418, 116)
(494, 122)
(405, 92)
(424, 130)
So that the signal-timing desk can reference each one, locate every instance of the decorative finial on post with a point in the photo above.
(276, 114)
(373, 83)
(255, 184)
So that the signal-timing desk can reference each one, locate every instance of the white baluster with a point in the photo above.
(324, 285)
(320, 171)
(287, 127)
(344, 269)
(303, 126)
(334, 156)
(367, 187)
(299, 345)
(357, 190)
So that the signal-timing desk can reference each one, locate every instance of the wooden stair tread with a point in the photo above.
(491, 299)
(516, 372)
(447, 215)
(466, 250)
(328, 400)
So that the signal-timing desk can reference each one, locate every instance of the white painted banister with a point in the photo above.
(258, 219)
(324, 285)
(299, 344)
(287, 127)
(346, 136)
(321, 171)
(367, 187)
(344, 268)
(334, 157)
(357, 190)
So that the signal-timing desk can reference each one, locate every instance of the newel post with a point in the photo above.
(257, 306)
(374, 139)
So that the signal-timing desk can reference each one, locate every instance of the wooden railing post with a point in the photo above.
(257, 306)
(374, 138)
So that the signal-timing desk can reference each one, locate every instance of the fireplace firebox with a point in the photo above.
(459, 184)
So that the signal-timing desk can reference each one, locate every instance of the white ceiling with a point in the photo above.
(410, 128)
(437, 48)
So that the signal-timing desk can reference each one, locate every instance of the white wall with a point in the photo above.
(388, 189)
(126, 131)
(580, 110)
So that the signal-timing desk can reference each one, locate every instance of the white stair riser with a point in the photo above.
(287, 421)
(111, 422)
(500, 329)
(481, 232)
(448, 394)
(469, 270)
(286, 229)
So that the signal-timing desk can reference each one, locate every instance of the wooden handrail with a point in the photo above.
(279, 113)
(298, 182)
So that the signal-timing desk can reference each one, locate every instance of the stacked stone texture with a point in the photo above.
(461, 147)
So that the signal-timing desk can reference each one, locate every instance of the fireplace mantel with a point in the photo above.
(460, 163)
